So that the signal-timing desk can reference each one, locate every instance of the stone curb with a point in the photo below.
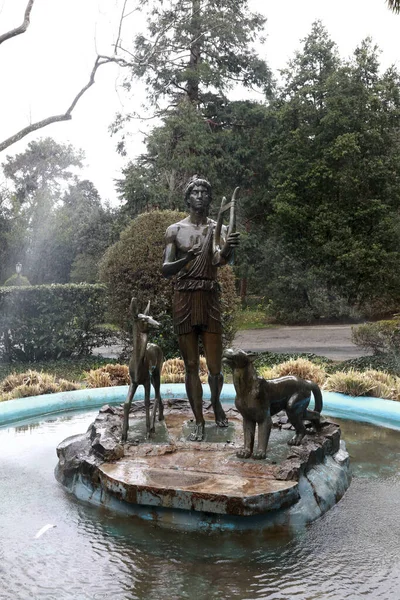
(384, 413)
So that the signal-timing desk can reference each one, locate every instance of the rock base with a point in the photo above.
(185, 484)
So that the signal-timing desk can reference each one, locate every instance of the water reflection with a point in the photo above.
(351, 552)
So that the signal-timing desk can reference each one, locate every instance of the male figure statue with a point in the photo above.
(191, 255)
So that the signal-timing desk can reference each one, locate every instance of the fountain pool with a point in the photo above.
(351, 552)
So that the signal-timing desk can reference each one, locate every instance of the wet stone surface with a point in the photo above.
(171, 472)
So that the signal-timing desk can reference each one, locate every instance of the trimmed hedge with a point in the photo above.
(47, 322)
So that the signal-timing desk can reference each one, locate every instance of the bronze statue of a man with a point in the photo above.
(191, 255)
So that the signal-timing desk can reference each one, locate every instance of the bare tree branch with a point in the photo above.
(22, 28)
(120, 27)
(100, 60)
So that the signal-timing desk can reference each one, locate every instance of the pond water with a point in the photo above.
(352, 552)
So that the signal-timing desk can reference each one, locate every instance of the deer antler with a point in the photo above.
(147, 311)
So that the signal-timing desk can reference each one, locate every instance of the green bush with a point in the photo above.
(380, 337)
(17, 279)
(50, 321)
(132, 267)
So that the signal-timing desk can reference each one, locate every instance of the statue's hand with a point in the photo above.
(232, 241)
(194, 251)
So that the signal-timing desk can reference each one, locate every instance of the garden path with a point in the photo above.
(332, 341)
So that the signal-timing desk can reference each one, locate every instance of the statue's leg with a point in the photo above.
(189, 347)
(264, 431)
(249, 429)
(212, 343)
(296, 411)
(127, 407)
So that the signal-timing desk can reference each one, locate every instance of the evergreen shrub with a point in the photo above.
(50, 321)
(17, 279)
(380, 337)
(132, 267)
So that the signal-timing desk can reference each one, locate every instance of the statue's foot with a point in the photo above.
(259, 455)
(296, 440)
(197, 434)
(220, 418)
(243, 453)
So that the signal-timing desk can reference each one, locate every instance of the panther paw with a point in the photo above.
(259, 455)
(244, 453)
(296, 440)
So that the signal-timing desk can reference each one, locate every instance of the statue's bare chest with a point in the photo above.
(189, 235)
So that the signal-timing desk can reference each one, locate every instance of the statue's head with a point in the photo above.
(197, 186)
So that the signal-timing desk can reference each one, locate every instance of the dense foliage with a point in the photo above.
(132, 267)
(50, 321)
(335, 183)
(319, 170)
(317, 160)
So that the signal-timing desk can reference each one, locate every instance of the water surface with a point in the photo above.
(352, 552)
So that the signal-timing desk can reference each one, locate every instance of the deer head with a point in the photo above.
(142, 320)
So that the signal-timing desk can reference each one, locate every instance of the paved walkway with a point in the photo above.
(332, 341)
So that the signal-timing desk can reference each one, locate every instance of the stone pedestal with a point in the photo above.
(203, 484)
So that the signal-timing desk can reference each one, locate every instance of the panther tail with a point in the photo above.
(317, 397)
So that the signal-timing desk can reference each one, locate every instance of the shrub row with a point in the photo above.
(50, 321)
(354, 383)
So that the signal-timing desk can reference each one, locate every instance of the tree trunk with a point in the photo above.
(195, 53)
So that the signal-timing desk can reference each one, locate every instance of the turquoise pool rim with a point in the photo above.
(384, 413)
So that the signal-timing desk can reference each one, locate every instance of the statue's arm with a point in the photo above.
(172, 265)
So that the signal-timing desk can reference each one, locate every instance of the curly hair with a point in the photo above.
(196, 180)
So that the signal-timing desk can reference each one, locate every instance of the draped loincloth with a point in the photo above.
(197, 294)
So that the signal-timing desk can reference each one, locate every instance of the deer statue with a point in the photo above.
(145, 367)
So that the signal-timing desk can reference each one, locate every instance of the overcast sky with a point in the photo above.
(42, 70)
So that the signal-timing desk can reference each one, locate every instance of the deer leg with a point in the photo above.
(127, 407)
(155, 380)
(147, 407)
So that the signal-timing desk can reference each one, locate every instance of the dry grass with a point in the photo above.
(174, 371)
(33, 383)
(300, 367)
(107, 376)
(369, 383)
